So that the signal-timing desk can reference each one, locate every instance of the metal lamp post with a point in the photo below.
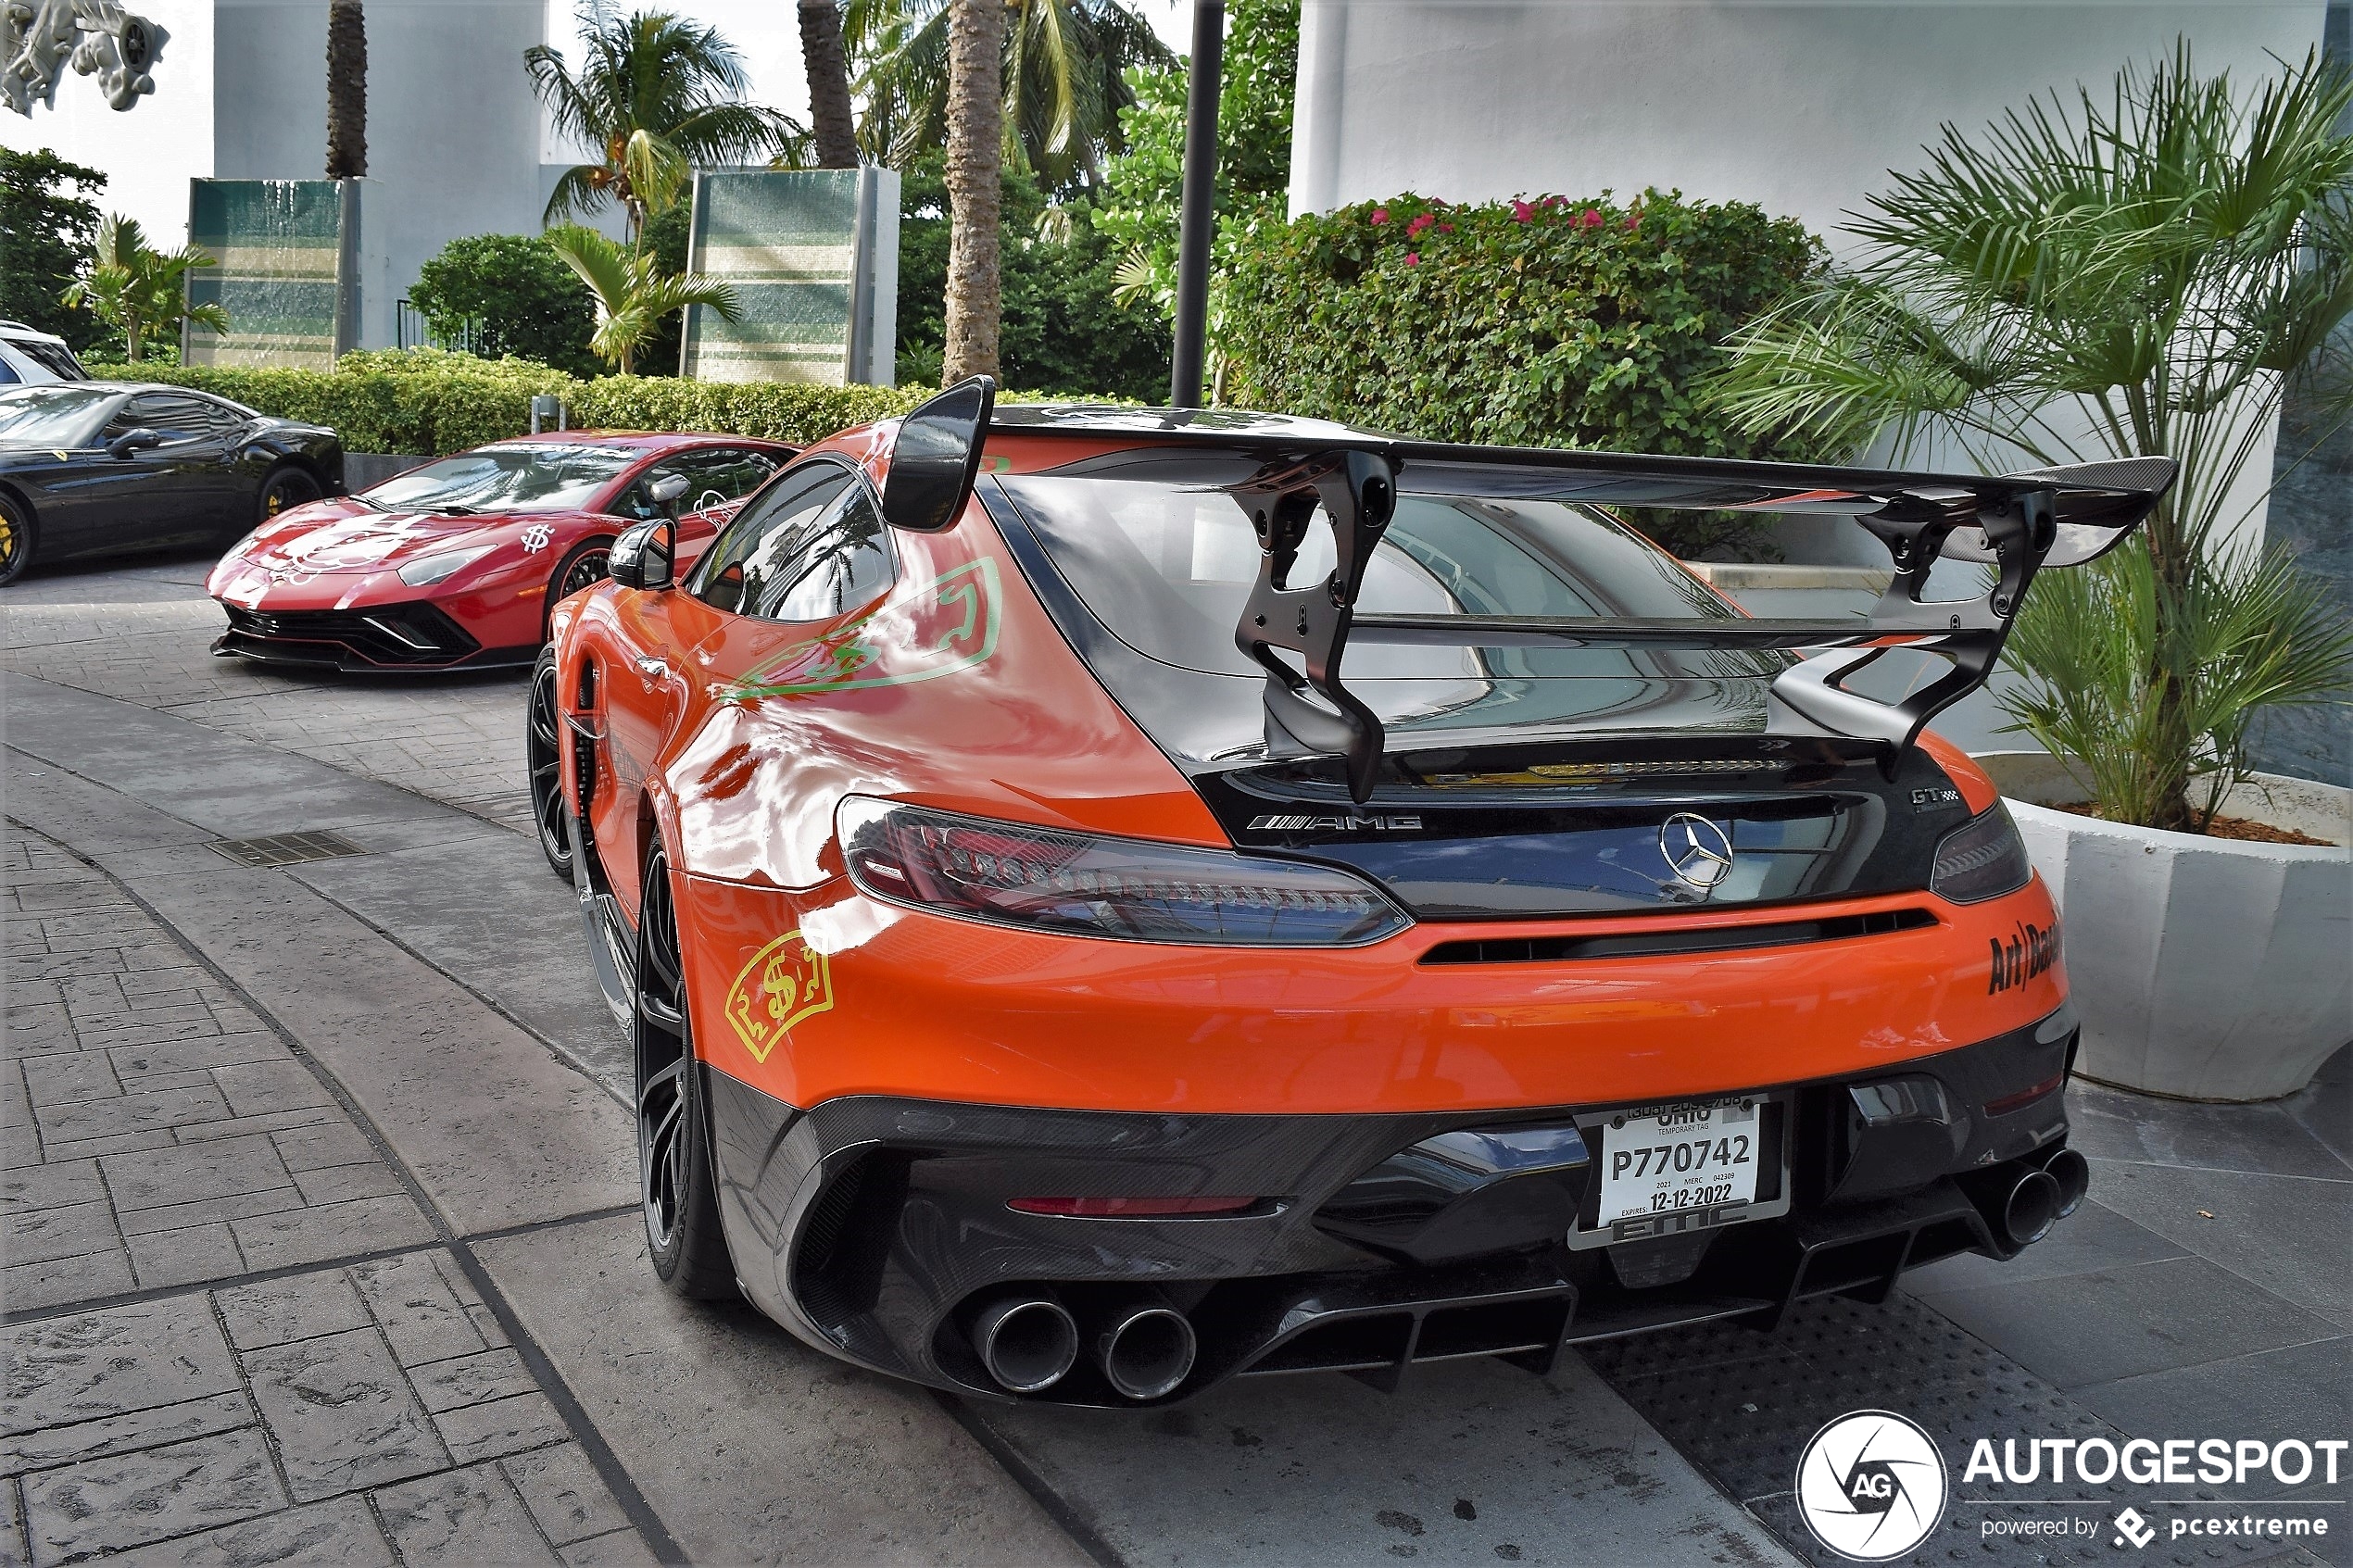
(1198, 226)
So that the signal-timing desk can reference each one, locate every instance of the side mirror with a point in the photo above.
(132, 441)
(666, 489)
(643, 556)
(935, 456)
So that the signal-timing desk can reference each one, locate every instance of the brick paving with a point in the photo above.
(142, 633)
(156, 1134)
(341, 1415)
(153, 1131)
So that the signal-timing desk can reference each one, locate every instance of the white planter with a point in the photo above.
(2208, 969)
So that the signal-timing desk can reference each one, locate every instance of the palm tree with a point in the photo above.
(632, 294)
(1065, 65)
(141, 290)
(2137, 276)
(657, 94)
(347, 90)
(829, 68)
(975, 175)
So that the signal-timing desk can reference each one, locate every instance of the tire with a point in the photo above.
(284, 488)
(543, 755)
(586, 563)
(676, 1188)
(17, 538)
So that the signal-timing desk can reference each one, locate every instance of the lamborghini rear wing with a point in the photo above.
(2018, 523)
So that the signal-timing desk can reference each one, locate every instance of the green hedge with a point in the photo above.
(426, 402)
(1543, 322)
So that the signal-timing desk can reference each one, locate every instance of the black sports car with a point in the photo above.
(90, 468)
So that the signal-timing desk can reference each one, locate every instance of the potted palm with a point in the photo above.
(2150, 271)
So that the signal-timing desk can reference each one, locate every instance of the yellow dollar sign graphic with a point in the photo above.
(782, 988)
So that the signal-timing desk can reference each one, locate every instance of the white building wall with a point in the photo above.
(1801, 108)
(457, 145)
(453, 132)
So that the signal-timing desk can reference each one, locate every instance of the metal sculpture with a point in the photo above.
(101, 39)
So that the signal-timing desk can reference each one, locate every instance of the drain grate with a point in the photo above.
(286, 849)
(1740, 1404)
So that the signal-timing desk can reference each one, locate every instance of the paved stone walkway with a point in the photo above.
(157, 1134)
(141, 632)
(275, 1292)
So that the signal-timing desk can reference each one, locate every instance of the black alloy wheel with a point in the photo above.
(674, 1175)
(589, 564)
(16, 540)
(286, 488)
(542, 755)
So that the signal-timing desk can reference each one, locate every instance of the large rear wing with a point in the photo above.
(2018, 523)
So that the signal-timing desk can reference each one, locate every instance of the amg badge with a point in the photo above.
(1371, 824)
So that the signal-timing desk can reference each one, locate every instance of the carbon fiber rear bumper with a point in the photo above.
(874, 1227)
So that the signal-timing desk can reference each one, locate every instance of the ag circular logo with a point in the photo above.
(1871, 1485)
(1696, 849)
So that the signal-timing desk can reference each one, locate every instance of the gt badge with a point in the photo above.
(536, 539)
(785, 982)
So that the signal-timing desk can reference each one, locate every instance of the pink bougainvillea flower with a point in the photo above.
(1522, 212)
(1590, 219)
(1420, 222)
(1555, 201)
(1634, 219)
(1380, 214)
(1445, 228)
(1413, 259)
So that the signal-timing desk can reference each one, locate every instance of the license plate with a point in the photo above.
(1679, 1158)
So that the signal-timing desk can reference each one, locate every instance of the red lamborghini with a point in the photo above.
(1109, 901)
(453, 565)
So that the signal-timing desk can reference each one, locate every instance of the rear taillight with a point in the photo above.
(1081, 885)
(1983, 858)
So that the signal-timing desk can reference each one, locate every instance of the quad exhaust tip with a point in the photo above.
(2073, 1174)
(1028, 1342)
(1145, 1348)
(2033, 1208)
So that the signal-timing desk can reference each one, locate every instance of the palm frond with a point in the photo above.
(2144, 270)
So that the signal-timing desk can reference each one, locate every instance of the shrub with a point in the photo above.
(1543, 322)
(426, 401)
(798, 412)
(513, 295)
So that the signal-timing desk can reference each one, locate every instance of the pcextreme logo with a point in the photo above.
(1871, 1485)
(785, 982)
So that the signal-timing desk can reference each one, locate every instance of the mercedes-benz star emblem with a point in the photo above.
(1697, 850)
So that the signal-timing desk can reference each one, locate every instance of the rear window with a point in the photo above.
(1168, 569)
(54, 357)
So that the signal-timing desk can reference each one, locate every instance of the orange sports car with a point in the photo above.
(1109, 901)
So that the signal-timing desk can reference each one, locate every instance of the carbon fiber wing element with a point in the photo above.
(2018, 523)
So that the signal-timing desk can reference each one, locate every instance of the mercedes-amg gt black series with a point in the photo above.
(1051, 977)
(94, 467)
